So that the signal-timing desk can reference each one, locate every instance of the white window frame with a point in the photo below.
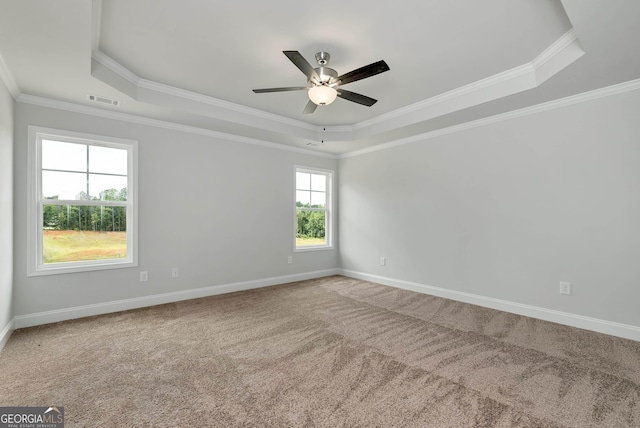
(328, 210)
(35, 202)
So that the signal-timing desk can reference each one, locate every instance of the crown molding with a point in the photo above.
(560, 54)
(218, 103)
(595, 94)
(455, 94)
(7, 78)
(159, 90)
(115, 67)
(556, 48)
(139, 88)
(617, 89)
(131, 118)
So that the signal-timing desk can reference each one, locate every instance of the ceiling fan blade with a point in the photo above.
(363, 72)
(356, 98)
(291, 88)
(310, 107)
(302, 64)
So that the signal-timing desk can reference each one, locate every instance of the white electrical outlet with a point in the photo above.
(144, 276)
(175, 272)
(383, 261)
(565, 287)
(290, 259)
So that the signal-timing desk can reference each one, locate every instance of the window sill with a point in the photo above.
(312, 248)
(63, 268)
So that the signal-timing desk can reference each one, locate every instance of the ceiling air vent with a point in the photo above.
(103, 100)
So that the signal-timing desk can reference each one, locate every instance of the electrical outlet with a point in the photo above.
(565, 287)
(383, 261)
(144, 276)
(175, 272)
(290, 259)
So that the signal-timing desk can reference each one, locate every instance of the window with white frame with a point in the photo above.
(312, 209)
(82, 202)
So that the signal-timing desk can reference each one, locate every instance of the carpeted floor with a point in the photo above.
(331, 352)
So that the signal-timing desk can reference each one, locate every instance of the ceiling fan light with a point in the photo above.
(322, 95)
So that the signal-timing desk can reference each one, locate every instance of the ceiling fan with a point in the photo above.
(324, 84)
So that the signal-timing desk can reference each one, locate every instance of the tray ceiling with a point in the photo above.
(195, 63)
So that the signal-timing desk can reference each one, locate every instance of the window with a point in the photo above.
(82, 202)
(313, 209)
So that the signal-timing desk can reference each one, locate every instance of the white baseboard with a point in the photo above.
(587, 323)
(30, 320)
(598, 325)
(5, 334)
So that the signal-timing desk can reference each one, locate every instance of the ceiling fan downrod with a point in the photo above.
(326, 75)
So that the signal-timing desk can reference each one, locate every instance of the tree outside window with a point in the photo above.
(312, 209)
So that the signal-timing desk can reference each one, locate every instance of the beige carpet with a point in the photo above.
(332, 352)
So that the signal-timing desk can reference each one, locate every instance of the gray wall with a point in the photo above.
(6, 207)
(508, 210)
(221, 211)
(503, 211)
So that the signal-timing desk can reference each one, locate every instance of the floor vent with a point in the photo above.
(103, 100)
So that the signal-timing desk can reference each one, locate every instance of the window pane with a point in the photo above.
(311, 228)
(64, 156)
(77, 233)
(107, 160)
(303, 181)
(64, 185)
(303, 198)
(319, 182)
(318, 200)
(108, 187)
(313, 194)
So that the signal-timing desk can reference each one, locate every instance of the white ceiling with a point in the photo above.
(196, 62)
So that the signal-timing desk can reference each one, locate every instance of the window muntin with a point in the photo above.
(312, 209)
(82, 214)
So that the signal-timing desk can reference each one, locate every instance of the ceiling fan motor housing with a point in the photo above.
(325, 74)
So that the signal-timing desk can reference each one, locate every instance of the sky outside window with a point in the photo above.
(70, 168)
